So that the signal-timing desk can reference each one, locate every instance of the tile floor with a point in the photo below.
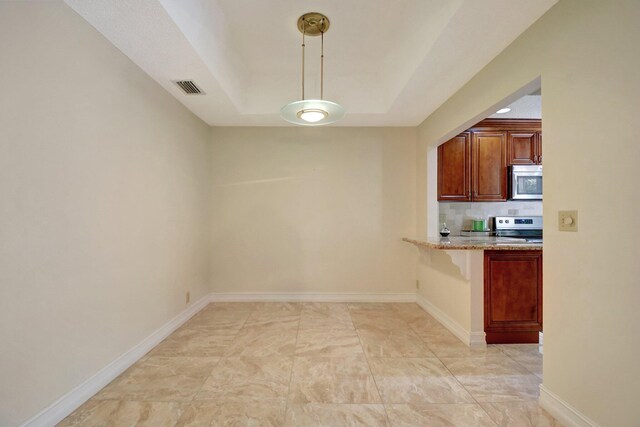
(321, 364)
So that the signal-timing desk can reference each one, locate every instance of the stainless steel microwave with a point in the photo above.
(525, 182)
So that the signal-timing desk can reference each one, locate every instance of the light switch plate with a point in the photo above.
(568, 220)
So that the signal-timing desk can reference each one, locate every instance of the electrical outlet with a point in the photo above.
(568, 220)
(188, 298)
(417, 284)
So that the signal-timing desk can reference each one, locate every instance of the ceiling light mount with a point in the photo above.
(312, 112)
(313, 24)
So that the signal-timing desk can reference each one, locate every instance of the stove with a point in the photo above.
(522, 227)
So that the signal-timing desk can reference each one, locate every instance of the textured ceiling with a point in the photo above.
(389, 63)
(527, 107)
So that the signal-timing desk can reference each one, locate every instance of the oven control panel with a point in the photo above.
(518, 222)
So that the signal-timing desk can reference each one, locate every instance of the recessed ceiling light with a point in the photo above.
(503, 110)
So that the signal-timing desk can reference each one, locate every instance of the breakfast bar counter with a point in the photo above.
(457, 298)
(475, 243)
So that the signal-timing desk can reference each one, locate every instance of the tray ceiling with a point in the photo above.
(389, 63)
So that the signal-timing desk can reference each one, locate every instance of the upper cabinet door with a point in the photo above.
(539, 151)
(489, 166)
(454, 169)
(522, 148)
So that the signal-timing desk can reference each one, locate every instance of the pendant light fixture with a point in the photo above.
(313, 112)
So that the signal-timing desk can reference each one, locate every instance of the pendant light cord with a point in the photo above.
(303, 32)
(322, 61)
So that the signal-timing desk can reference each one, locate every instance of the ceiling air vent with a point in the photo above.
(189, 87)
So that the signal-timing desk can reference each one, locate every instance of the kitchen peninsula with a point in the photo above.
(475, 243)
(504, 295)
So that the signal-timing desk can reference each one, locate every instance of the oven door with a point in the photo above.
(526, 183)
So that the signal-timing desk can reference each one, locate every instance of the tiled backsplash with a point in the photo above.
(458, 215)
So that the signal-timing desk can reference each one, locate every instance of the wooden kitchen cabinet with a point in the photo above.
(539, 148)
(524, 148)
(472, 167)
(512, 296)
(489, 166)
(454, 169)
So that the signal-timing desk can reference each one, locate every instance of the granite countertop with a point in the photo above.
(475, 243)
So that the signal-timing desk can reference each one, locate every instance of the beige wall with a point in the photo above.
(313, 210)
(104, 201)
(586, 53)
(444, 286)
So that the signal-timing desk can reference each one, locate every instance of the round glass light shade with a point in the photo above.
(312, 112)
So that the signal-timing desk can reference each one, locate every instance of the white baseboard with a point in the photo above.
(58, 410)
(477, 339)
(471, 339)
(562, 411)
(312, 297)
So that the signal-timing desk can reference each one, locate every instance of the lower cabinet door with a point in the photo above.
(512, 296)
